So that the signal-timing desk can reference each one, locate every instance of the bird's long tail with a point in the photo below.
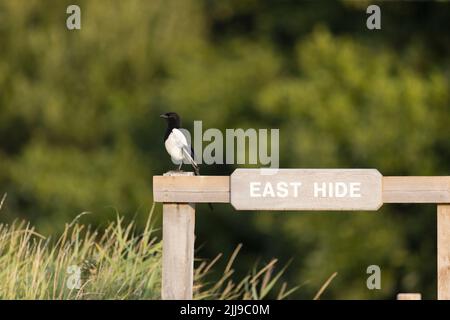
(192, 161)
(196, 170)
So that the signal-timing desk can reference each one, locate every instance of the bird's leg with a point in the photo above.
(179, 167)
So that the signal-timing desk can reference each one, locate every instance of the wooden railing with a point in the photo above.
(288, 189)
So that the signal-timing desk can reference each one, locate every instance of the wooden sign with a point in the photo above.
(306, 189)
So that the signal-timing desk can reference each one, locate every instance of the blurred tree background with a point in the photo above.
(79, 125)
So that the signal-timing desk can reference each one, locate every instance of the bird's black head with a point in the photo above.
(172, 118)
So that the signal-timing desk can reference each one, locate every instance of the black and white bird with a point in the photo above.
(176, 143)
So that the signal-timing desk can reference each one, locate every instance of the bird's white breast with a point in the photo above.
(175, 143)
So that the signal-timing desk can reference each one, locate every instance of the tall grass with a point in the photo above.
(114, 263)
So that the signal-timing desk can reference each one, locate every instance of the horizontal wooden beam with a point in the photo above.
(406, 189)
(194, 189)
(416, 189)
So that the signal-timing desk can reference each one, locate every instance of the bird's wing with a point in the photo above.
(179, 139)
(181, 142)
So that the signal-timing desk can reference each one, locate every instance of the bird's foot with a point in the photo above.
(174, 172)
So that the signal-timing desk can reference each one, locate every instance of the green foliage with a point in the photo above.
(79, 126)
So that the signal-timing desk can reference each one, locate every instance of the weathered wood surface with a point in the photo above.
(443, 248)
(178, 251)
(178, 191)
(407, 189)
(191, 189)
(306, 189)
(415, 189)
(409, 296)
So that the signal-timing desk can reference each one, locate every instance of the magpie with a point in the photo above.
(176, 143)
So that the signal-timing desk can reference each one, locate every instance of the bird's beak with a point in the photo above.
(163, 116)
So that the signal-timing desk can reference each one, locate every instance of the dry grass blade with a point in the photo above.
(324, 286)
(212, 263)
(268, 267)
(3, 200)
(233, 256)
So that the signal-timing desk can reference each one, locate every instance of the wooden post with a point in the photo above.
(178, 248)
(409, 296)
(443, 248)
